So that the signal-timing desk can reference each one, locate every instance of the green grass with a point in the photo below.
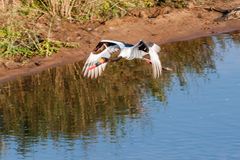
(16, 41)
(20, 36)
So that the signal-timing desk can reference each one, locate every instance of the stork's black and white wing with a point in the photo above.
(110, 46)
(141, 49)
(154, 49)
(94, 58)
(108, 43)
(138, 50)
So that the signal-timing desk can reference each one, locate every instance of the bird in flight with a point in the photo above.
(101, 56)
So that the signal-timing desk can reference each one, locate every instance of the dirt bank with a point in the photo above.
(159, 25)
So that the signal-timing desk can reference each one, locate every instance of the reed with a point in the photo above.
(62, 8)
(88, 10)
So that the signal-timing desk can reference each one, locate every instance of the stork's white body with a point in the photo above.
(128, 52)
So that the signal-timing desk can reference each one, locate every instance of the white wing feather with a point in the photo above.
(132, 52)
(120, 44)
(136, 53)
(93, 59)
(156, 63)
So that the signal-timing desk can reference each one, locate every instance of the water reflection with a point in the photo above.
(60, 103)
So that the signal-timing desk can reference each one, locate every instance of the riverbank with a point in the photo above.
(159, 25)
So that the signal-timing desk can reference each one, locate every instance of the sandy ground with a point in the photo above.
(159, 25)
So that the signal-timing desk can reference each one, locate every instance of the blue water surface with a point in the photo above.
(199, 120)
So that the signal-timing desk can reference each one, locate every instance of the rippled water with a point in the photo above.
(191, 113)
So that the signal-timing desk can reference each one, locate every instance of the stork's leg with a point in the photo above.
(167, 69)
(164, 68)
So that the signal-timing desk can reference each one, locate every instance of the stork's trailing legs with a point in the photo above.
(164, 68)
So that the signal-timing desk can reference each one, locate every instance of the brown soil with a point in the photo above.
(159, 25)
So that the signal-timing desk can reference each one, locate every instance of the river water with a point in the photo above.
(190, 113)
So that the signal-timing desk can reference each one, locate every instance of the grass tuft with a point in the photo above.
(17, 40)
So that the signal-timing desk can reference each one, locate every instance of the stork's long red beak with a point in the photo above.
(100, 62)
(92, 67)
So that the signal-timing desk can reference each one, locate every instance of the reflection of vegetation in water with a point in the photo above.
(235, 37)
(191, 57)
(61, 102)
(228, 40)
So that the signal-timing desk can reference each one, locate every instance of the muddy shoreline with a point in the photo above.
(177, 25)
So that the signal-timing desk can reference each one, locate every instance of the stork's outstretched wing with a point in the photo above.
(94, 58)
(108, 43)
(138, 50)
(141, 49)
(154, 49)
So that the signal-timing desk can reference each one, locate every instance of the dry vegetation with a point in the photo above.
(21, 36)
